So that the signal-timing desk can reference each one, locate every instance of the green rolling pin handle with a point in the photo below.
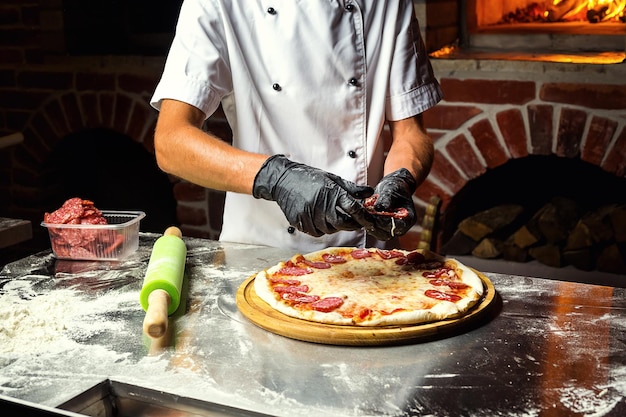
(160, 294)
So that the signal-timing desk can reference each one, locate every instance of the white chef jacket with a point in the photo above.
(311, 79)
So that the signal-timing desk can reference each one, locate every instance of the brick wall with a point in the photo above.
(47, 95)
(493, 112)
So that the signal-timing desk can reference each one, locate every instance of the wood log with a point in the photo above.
(557, 218)
(593, 228)
(611, 259)
(548, 254)
(487, 222)
(579, 238)
(583, 258)
(488, 248)
(599, 223)
(618, 221)
(429, 222)
(513, 252)
(458, 244)
(525, 237)
(555, 235)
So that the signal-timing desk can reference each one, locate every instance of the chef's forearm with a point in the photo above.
(411, 148)
(184, 150)
(209, 162)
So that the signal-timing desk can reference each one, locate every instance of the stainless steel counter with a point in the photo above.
(549, 347)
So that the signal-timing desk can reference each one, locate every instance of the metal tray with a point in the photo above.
(116, 399)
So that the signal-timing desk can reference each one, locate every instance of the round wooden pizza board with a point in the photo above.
(264, 316)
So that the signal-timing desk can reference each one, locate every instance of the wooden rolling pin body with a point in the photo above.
(160, 294)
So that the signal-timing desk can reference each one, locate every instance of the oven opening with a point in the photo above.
(579, 15)
(568, 31)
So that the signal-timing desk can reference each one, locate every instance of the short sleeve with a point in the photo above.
(413, 87)
(196, 69)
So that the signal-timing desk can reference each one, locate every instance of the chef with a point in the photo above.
(307, 87)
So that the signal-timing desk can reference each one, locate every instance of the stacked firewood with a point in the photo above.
(559, 233)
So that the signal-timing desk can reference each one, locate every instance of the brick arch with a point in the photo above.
(490, 141)
(198, 209)
(67, 113)
(471, 140)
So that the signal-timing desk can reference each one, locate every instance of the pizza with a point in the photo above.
(370, 287)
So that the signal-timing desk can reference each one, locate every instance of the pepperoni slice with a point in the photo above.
(300, 298)
(455, 285)
(439, 295)
(285, 281)
(437, 273)
(389, 254)
(415, 258)
(291, 289)
(312, 264)
(398, 213)
(333, 259)
(294, 271)
(327, 304)
(316, 264)
(360, 253)
(93, 219)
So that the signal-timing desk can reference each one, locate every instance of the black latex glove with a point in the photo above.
(395, 191)
(314, 201)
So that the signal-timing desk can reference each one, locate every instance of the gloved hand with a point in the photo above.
(314, 201)
(395, 191)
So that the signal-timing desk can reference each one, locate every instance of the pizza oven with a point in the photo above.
(567, 26)
(550, 30)
(580, 16)
(532, 109)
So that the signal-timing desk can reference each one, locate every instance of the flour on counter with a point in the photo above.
(52, 322)
(587, 402)
(31, 326)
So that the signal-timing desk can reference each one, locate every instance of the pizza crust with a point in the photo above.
(391, 294)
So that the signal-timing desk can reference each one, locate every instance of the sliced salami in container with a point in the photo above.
(80, 231)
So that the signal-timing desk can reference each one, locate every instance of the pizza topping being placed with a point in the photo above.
(415, 258)
(370, 287)
(399, 213)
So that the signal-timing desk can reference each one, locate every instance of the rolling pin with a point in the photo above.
(160, 294)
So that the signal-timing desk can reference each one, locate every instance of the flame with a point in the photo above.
(594, 10)
(615, 8)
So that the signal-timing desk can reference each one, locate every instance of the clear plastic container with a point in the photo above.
(105, 242)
